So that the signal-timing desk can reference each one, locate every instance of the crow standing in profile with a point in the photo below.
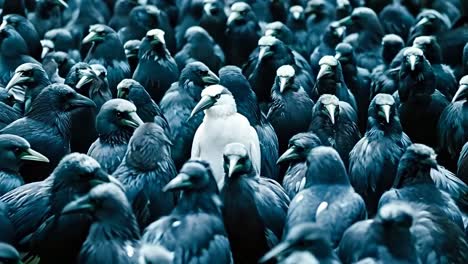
(373, 162)
(115, 124)
(194, 231)
(156, 69)
(327, 198)
(114, 235)
(13, 151)
(107, 50)
(262, 199)
(47, 127)
(146, 168)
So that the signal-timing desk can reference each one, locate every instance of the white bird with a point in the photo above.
(222, 125)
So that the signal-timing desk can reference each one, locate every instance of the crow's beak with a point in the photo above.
(283, 82)
(461, 94)
(133, 120)
(205, 103)
(33, 155)
(421, 22)
(45, 51)
(81, 101)
(296, 15)
(233, 166)
(264, 51)
(278, 250)
(346, 22)
(181, 181)
(99, 178)
(324, 71)
(233, 17)
(79, 206)
(62, 3)
(3, 25)
(386, 111)
(91, 37)
(210, 78)
(338, 56)
(18, 78)
(412, 61)
(331, 108)
(87, 77)
(288, 155)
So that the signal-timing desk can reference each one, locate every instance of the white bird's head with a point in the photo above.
(216, 100)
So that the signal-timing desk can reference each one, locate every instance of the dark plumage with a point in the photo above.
(373, 162)
(146, 168)
(306, 243)
(14, 7)
(291, 110)
(420, 103)
(46, 126)
(107, 50)
(319, 14)
(121, 13)
(462, 171)
(396, 19)
(34, 208)
(334, 122)
(246, 101)
(8, 231)
(296, 156)
(327, 198)
(199, 46)
(194, 231)
(113, 235)
(332, 36)
(14, 150)
(8, 114)
(262, 199)
(9, 254)
(47, 15)
(414, 183)
(63, 41)
(242, 27)
(132, 48)
(27, 31)
(115, 124)
(84, 16)
(178, 103)
(156, 69)
(428, 22)
(93, 84)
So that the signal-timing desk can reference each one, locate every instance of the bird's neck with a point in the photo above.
(122, 227)
(198, 202)
(118, 136)
(221, 111)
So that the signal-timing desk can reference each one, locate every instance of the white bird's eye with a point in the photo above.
(218, 96)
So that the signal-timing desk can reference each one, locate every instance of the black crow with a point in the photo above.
(367, 41)
(121, 13)
(27, 31)
(145, 18)
(245, 193)
(242, 27)
(13, 52)
(330, 80)
(357, 79)
(246, 100)
(93, 84)
(194, 231)
(8, 254)
(57, 65)
(14, 7)
(84, 16)
(291, 110)
(396, 19)
(302, 41)
(108, 51)
(178, 103)
(373, 162)
(8, 231)
(453, 123)
(47, 127)
(334, 122)
(462, 171)
(114, 234)
(429, 22)
(34, 208)
(132, 48)
(414, 183)
(296, 156)
(199, 46)
(13, 150)
(156, 69)
(149, 254)
(327, 198)
(319, 14)
(147, 109)
(6, 97)
(146, 168)
(8, 114)
(332, 36)
(115, 124)
(47, 15)
(63, 41)
(33, 79)
(305, 243)
(420, 103)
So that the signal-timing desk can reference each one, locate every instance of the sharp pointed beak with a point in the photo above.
(101, 177)
(461, 94)
(205, 103)
(386, 111)
(412, 60)
(17, 78)
(88, 76)
(131, 53)
(45, 51)
(338, 56)
(421, 22)
(3, 25)
(232, 165)
(346, 22)
(331, 108)
(210, 78)
(324, 71)
(288, 155)
(263, 52)
(181, 181)
(283, 82)
(276, 251)
(91, 37)
(233, 17)
(270, 32)
(158, 38)
(62, 3)
(133, 120)
(33, 155)
(296, 15)
(81, 101)
(79, 206)
(207, 8)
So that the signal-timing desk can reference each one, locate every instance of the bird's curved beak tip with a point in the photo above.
(204, 103)
(180, 181)
(211, 78)
(288, 155)
(33, 155)
(274, 252)
(134, 120)
(82, 205)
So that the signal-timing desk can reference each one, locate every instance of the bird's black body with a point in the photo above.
(47, 15)
(327, 198)
(396, 19)
(27, 31)
(332, 36)
(462, 171)
(121, 13)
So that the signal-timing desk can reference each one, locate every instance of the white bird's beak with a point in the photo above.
(421, 22)
(324, 70)
(412, 60)
(338, 56)
(3, 25)
(232, 17)
(331, 108)
(44, 52)
(283, 82)
(386, 111)
(205, 103)
(296, 15)
(33, 155)
(232, 165)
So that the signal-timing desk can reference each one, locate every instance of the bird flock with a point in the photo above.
(234, 131)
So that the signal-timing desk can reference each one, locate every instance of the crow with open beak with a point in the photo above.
(13, 151)
(132, 49)
(115, 124)
(114, 235)
(47, 15)
(93, 84)
(47, 127)
(107, 50)
(306, 243)
(263, 200)
(178, 104)
(27, 31)
(328, 198)
(156, 69)
(335, 123)
(290, 111)
(194, 230)
(373, 162)
(34, 208)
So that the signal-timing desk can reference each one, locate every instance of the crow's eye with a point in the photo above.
(17, 151)
(119, 114)
(218, 96)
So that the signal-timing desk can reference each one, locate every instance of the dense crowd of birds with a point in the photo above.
(237, 131)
